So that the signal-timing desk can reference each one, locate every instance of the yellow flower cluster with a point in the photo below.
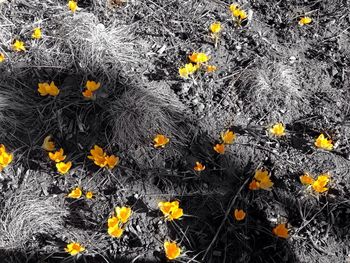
(76, 193)
(160, 141)
(324, 143)
(2, 57)
(188, 70)
(72, 5)
(197, 60)
(281, 231)
(51, 89)
(89, 195)
(18, 46)
(261, 180)
(238, 14)
(37, 33)
(239, 214)
(305, 20)
(199, 167)
(58, 156)
(63, 167)
(318, 185)
(5, 157)
(219, 148)
(172, 250)
(101, 158)
(48, 89)
(91, 86)
(278, 129)
(215, 29)
(117, 222)
(227, 137)
(171, 210)
(74, 248)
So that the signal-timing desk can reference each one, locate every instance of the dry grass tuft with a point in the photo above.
(5, 118)
(141, 113)
(271, 92)
(95, 47)
(17, 112)
(26, 216)
(70, 43)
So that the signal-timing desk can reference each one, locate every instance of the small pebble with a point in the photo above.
(185, 87)
(100, 27)
(292, 59)
(201, 107)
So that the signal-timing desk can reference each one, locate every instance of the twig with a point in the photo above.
(308, 221)
(225, 218)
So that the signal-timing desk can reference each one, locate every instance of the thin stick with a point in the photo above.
(224, 219)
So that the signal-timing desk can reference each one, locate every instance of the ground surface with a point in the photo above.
(269, 70)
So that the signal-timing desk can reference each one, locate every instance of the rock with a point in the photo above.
(185, 87)
(195, 101)
(292, 59)
(200, 107)
(100, 27)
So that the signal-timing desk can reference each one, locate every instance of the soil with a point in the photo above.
(269, 70)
